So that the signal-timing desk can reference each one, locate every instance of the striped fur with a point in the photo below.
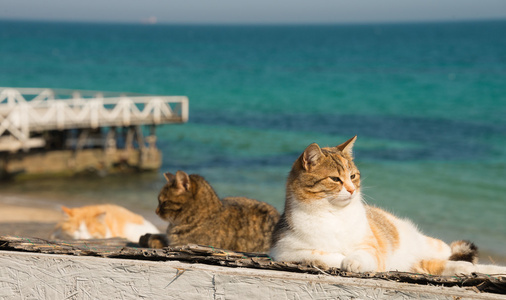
(326, 223)
(196, 215)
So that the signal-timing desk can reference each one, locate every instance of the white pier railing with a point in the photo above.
(26, 110)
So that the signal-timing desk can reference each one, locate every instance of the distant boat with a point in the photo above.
(150, 20)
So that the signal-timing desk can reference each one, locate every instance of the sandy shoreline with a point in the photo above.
(18, 220)
(18, 213)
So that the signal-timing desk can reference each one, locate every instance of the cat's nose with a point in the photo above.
(350, 188)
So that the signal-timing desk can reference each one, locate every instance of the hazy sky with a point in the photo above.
(252, 11)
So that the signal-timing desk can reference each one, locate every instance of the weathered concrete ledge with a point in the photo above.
(69, 162)
(26, 275)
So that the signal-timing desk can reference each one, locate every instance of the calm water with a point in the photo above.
(427, 101)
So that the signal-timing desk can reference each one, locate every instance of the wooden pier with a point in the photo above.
(44, 131)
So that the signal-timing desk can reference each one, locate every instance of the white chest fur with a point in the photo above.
(326, 227)
(321, 231)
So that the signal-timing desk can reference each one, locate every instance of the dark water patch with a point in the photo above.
(437, 139)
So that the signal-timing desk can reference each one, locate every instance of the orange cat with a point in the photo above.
(326, 223)
(102, 221)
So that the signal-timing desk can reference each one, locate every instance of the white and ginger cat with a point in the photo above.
(102, 221)
(327, 224)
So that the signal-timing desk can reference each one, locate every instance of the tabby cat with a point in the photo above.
(196, 215)
(326, 224)
(102, 221)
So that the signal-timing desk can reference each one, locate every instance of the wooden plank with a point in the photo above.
(111, 250)
(49, 276)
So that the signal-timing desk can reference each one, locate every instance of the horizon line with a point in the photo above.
(165, 23)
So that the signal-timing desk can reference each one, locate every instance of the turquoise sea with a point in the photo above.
(427, 101)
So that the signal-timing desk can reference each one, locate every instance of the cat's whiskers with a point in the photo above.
(364, 196)
(363, 188)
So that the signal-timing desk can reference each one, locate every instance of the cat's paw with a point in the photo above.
(153, 241)
(352, 265)
(144, 240)
(358, 263)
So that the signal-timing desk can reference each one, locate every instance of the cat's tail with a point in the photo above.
(464, 258)
(464, 251)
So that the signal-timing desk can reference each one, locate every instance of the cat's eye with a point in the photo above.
(352, 176)
(336, 179)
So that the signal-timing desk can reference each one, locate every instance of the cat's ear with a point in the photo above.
(168, 176)
(101, 217)
(67, 212)
(182, 180)
(347, 147)
(311, 156)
